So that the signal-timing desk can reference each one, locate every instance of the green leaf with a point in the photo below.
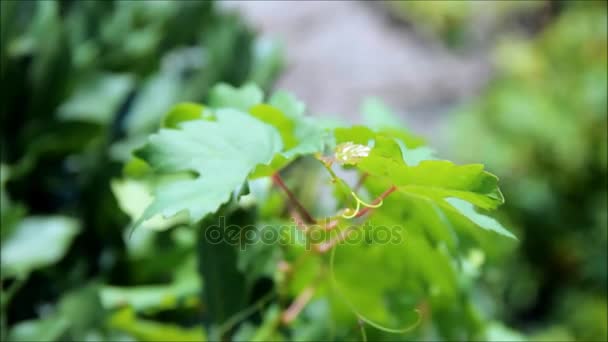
(267, 60)
(287, 103)
(356, 134)
(183, 291)
(82, 309)
(221, 153)
(134, 197)
(148, 330)
(301, 135)
(153, 100)
(468, 210)
(414, 156)
(186, 111)
(243, 98)
(432, 179)
(97, 99)
(226, 290)
(144, 298)
(36, 242)
(45, 329)
(278, 120)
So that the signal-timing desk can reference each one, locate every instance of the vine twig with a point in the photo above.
(276, 178)
(378, 200)
(297, 305)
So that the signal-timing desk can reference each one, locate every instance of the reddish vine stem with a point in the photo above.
(297, 305)
(377, 200)
(326, 246)
(276, 178)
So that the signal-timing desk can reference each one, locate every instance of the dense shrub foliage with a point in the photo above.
(82, 83)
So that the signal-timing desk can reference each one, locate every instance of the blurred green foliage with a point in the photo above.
(542, 127)
(82, 83)
(462, 23)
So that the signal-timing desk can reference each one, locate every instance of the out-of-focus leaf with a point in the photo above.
(267, 60)
(243, 98)
(148, 330)
(497, 332)
(97, 99)
(36, 242)
(82, 309)
(226, 290)
(154, 100)
(151, 297)
(43, 330)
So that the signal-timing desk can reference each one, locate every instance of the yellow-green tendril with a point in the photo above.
(369, 205)
(350, 213)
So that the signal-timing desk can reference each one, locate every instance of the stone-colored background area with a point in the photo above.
(339, 52)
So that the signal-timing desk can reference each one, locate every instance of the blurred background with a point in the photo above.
(520, 86)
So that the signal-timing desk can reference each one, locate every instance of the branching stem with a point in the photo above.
(297, 305)
(378, 200)
(276, 178)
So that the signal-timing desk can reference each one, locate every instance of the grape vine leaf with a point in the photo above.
(456, 188)
(468, 210)
(221, 153)
(243, 98)
(432, 179)
(301, 135)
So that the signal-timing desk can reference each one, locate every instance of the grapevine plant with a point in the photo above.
(300, 219)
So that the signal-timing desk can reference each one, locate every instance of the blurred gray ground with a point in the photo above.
(338, 52)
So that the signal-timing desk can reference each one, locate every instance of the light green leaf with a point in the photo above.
(432, 179)
(221, 153)
(97, 99)
(186, 111)
(45, 329)
(142, 298)
(183, 291)
(468, 210)
(243, 98)
(152, 102)
(278, 120)
(414, 156)
(288, 104)
(147, 330)
(356, 134)
(301, 135)
(134, 197)
(267, 60)
(36, 242)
